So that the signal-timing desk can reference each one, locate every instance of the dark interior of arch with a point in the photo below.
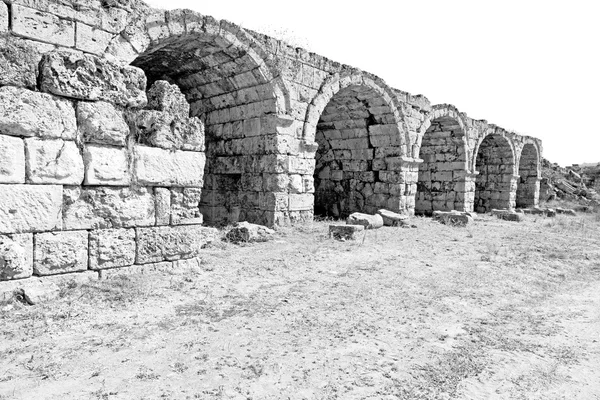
(495, 184)
(442, 174)
(228, 92)
(528, 187)
(354, 133)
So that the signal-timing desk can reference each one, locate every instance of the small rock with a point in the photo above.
(366, 220)
(391, 218)
(37, 291)
(247, 232)
(345, 232)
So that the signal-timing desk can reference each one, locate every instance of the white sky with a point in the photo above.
(532, 66)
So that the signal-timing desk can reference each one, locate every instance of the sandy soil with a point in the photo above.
(497, 310)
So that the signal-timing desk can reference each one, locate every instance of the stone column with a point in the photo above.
(406, 197)
(465, 190)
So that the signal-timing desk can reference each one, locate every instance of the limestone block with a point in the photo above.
(87, 77)
(185, 206)
(104, 207)
(27, 113)
(90, 39)
(299, 202)
(16, 256)
(366, 220)
(53, 161)
(42, 26)
(508, 215)
(30, 208)
(3, 17)
(454, 218)
(162, 199)
(391, 218)
(162, 96)
(158, 167)
(172, 243)
(38, 291)
(247, 232)
(12, 160)
(106, 166)
(60, 252)
(164, 130)
(345, 232)
(102, 123)
(18, 61)
(111, 248)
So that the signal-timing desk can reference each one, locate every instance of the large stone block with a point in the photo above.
(27, 113)
(16, 256)
(53, 161)
(3, 17)
(42, 26)
(185, 206)
(60, 252)
(18, 61)
(106, 166)
(103, 207)
(30, 208)
(172, 243)
(102, 123)
(158, 167)
(111, 248)
(91, 40)
(167, 131)
(12, 160)
(87, 77)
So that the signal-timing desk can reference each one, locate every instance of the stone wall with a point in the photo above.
(124, 129)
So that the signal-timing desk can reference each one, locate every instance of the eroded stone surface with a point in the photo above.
(106, 166)
(366, 220)
(87, 77)
(16, 256)
(454, 218)
(103, 207)
(3, 17)
(30, 208)
(185, 206)
(60, 252)
(172, 243)
(162, 96)
(101, 122)
(162, 197)
(345, 232)
(391, 218)
(27, 113)
(111, 248)
(158, 167)
(53, 161)
(42, 26)
(18, 61)
(164, 130)
(247, 232)
(12, 160)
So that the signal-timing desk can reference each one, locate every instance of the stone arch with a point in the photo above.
(494, 160)
(443, 174)
(528, 187)
(225, 77)
(358, 128)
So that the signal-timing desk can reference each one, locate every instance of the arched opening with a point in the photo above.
(494, 186)
(442, 173)
(529, 186)
(230, 92)
(358, 138)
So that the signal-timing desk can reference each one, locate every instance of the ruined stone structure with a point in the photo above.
(124, 130)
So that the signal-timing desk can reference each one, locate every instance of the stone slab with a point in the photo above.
(159, 167)
(60, 252)
(391, 218)
(42, 26)
(345, 232)
(12, 160)
(108, 166)
(167, 243)
(87, 77)
(16, 256)
(18, 61)
(34, 114)
(101, 122)
(367, 220)
(30, 208)
(111, 248)
(53, 161)
(105, 207)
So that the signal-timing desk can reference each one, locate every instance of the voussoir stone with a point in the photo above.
(19, 61)
(88, 77)
(101, 122)
(30, 208)
(12, 160)
(53, 161)
(60, 252)
(159, 167)
(367, 220)
(111, 248)
(105, 207)
(34, 114)
(16, 256)
(167, 131)
(106, 166)
(166, 243)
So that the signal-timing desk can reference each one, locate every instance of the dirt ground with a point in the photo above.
(497, 310)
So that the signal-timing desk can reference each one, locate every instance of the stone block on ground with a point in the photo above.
(30, 208)
(16, 256)
(18, 61)
(345, 232)
(566, 211)
(391, 218)
(247, 232)
(12, 159)
(102, 123)
(92, 78)
(60, 252)
(34, 114)
(159, 167)
(53, 161)
(111, 248)
(508, 215)
(367, 220)
(38, 291)
(454, 218)
(166, 243)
